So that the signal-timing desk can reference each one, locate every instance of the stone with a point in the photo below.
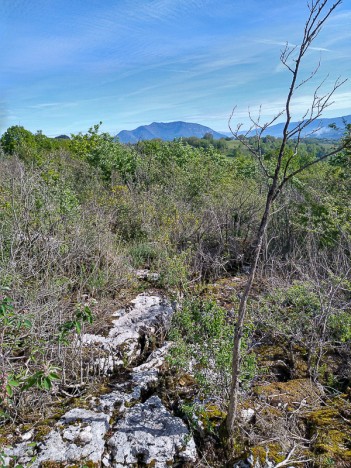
(21, 452)
(148, 433)
(147, 275)
(144, 432)
(27, 436)
(78, 436)
(248, 414)
(123, 345)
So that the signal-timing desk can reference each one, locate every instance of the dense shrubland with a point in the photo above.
(77, 216)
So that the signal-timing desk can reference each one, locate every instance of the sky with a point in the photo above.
(67, 65)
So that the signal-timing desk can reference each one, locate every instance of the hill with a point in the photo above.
(320, 128)
(166, 131)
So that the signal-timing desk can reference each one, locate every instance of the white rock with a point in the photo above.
(147, 275)
(247, 414)
(80, 439)
(150, 434)
(27, 436)
(148, 314)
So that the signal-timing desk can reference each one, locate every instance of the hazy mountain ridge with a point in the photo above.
(166, 131)
(320, 128)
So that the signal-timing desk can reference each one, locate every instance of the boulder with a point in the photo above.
(151, 435)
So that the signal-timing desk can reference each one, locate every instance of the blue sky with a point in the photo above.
(66, 65)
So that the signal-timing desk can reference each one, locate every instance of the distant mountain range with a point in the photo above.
(320, 128)
(166, 131)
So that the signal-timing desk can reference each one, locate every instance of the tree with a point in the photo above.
(103, 152)
(287, 164)
(16, 137)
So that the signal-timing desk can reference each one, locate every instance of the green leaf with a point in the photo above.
(46, 383)
(14, 382)
(78, 326)
(54, 376)
(27, 323)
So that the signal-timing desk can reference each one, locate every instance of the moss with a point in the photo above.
(87, 464)
(214, 412)
(211, 415)
(81, 403)
(272, 452)
(290, 393)
(332, 431)
(270, 352)
(8, 435)
(41, 431)
(3, 441)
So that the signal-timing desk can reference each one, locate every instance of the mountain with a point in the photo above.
(320, 128)
(62, 137)
(166, 131)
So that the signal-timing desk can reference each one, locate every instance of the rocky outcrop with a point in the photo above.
(150, 434)
(147, 316)
(128, 425)
(78, 436)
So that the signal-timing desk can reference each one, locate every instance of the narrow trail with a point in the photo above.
(129, 426)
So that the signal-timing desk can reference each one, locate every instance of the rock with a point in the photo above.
(78, 436)
(248, 414)
(123, 343)
(27, 436)
(147, 275)
(150, 434)
(21, 452)
(155, 360)
(144, 432)
(108, 402)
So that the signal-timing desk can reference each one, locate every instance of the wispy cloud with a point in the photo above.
(66, 65)
(290, 45)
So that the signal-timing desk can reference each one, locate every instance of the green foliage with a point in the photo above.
(202, 333)
(144, 254)
(339, 325)
(17, 138)
(203, 337)
(83, 314)
(13, 326)
(175, 270)
(292, 310)
(102, 152)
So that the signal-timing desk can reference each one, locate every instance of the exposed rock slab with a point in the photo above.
(145, 432)
(150, 434)
(78, 436)
(148, 315)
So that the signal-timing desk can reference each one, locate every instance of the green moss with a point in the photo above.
(331, 430)
(41, 431)
(211, 415)
(272, 452)
(290, 393)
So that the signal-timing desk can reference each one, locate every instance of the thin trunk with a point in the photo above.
(316, 19)
(236, 360)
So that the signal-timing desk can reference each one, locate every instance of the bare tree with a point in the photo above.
(287, 163)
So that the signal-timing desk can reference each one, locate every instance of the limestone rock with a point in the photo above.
(150, 434)
(78, 436)
(123, 343)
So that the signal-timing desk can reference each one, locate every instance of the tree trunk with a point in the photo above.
(234, 390)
